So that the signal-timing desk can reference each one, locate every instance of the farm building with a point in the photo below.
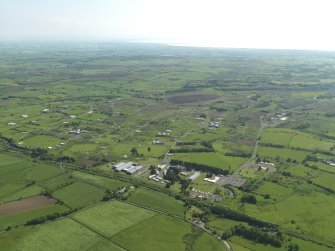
(194, 176)
(156, 178)
(157, 142)
(214, 180)
(232, 180)
(128, 167)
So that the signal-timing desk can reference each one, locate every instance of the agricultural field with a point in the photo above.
(164, 233)
(113, 217)
(102, 181)
(157, 201)
(88, 227)
(258, 125)
(79, 194)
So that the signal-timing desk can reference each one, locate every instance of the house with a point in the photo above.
(156, 178)
(157, 142)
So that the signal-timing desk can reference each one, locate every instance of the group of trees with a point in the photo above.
(48, 217)
(135, 153)
(200, 167)
(255, 234)
(249, 198)
(240, 154)
(207, 147)
(191, 150)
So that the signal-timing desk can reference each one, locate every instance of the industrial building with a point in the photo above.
(128, 167)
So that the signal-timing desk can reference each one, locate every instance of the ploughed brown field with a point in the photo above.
(26, 205)
(192, 98)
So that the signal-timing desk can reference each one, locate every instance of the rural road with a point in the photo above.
(249, 163)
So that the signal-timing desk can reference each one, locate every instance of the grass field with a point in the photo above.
(282, 153)
(157, 200)
(212, 159)
(102, 181)
(79, 194)
(292, 138)
(223, 224)
(122, 96)
(20, 219)
(112, 217)
(240, 244)
(56, 182)
(165, 233)
(312, 211)
(43, 141)
(106, 246)
(23, 193)
(64, 234)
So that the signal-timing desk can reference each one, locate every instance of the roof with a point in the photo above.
(194, 176)
(133, 169)
(121, 166)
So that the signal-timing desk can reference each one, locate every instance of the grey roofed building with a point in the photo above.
(128, 167)
(122, 166)
(194, 176)
(133, 169)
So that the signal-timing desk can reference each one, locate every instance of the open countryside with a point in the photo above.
(152, 147)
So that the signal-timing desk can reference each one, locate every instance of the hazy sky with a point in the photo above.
(295, 24)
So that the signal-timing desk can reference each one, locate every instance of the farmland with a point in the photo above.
(143, 147)
(90, 225)
(157, 201)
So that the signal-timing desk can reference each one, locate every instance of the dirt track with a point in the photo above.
(25, 205)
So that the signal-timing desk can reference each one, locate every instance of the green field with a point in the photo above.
(102, 181)
(282, 153)
(165, 233)
(20, 219)
(44, 141)
(158, 201)
(79, 194)
(291, 138)
(64, 234)
(151, 104)
(112, 217)
(212, 159)
(223, 224)
(106, 246)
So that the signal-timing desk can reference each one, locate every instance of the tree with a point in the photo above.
(293, 247)
(134, 151)
(149, 149)
(152, 169)
(251, 199)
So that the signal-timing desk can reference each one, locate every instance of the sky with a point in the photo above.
(279, 24)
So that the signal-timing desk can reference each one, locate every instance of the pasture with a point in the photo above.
(212, 159)
(78, 195)
(165, 233)
(112, 217)
(64, 234)
(158, 201)
(109, 183)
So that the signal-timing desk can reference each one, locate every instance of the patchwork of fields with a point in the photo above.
(239, 142)
(111, 226)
